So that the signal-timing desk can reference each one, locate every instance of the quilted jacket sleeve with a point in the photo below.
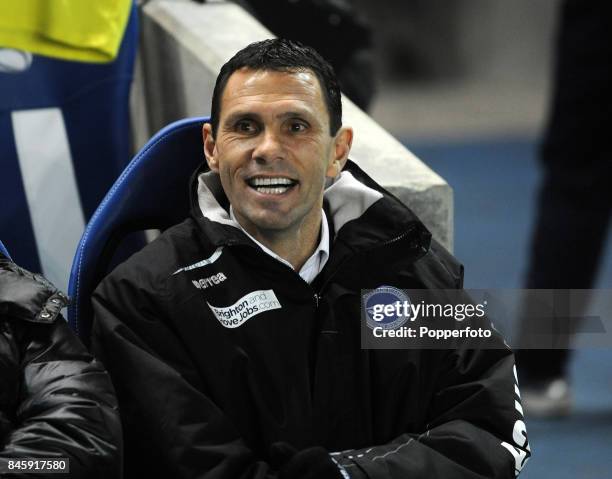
(56, 400)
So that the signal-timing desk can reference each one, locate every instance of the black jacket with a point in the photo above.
(56, 401)
(219, 353)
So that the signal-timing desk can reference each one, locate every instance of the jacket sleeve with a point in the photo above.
(66, 406)
(171, 427)
(474, 426)
(474, 429)
(56, 400)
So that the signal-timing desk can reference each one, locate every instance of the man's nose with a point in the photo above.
(269, 147)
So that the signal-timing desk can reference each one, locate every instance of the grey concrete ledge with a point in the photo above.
(184, 44)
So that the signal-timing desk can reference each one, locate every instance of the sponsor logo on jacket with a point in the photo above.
(245, 308)
(520, 450)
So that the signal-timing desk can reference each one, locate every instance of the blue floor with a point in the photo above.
(495, 184)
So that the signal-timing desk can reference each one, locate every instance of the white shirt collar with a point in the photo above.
(313, 265)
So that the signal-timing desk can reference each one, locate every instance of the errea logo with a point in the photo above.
(204, 283)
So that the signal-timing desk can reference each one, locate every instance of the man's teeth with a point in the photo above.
(277, 190)
(270, 181)
(271, 186)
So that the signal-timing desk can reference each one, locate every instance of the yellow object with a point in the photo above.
(81, 30)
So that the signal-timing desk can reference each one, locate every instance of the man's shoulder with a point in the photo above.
(158, 260)
(439, 269)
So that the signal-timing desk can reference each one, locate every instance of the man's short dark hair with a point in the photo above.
(284, 56)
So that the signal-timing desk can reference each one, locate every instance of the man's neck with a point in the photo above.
(294, 246)
(296, 250)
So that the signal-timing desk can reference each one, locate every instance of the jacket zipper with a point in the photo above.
(395, 240)
(318, 294)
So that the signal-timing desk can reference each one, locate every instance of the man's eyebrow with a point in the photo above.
(293, 114)
(240, 115)
(247, 115)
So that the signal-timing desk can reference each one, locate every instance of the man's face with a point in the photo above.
(273, 149)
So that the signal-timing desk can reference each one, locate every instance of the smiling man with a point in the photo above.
(273, 147)
(234, 339)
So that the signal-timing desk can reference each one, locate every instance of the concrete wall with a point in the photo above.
(183, 46)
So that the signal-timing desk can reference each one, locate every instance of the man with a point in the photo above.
(234, 339)
(575, 200)
(56, 401)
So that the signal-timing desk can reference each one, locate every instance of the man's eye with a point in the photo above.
(297, 126)
(246, 126)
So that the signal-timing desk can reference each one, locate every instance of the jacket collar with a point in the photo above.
(361, 213)
(27, 296)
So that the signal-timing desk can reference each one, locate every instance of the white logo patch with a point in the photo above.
(204, 283)
(245, 308)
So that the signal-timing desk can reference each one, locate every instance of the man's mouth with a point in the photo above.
(271, 185)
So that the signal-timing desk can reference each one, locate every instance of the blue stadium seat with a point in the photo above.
(4, 251)
(64, 139)
(151, 193)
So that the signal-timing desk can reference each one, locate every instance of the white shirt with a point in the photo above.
(313, 265)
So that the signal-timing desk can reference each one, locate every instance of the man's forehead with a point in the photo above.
(299, 83)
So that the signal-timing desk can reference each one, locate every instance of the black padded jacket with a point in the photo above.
(219, 353)
(56, 400)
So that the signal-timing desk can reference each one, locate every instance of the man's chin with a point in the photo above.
(273, 220)
(274, 224)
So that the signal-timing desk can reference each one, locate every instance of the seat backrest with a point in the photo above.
(4, 251)
(151, 193)
(64, 133)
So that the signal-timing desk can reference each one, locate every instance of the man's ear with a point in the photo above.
(342, 147)
(210, 147)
